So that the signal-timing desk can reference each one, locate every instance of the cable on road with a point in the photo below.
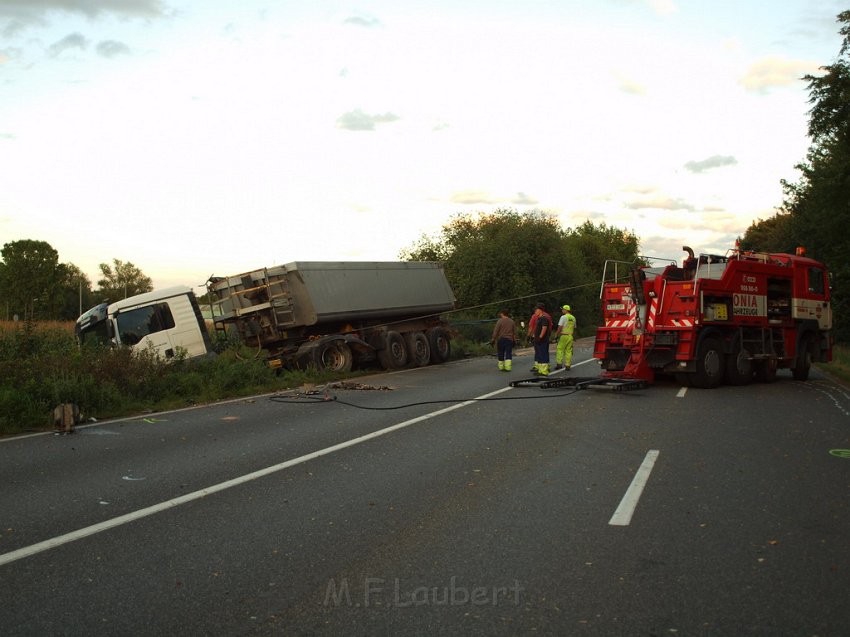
(323, 396)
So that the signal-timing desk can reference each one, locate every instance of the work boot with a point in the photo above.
(558, 366)
(508, 364)
(543, 369)
(566, 367)
(501, 366)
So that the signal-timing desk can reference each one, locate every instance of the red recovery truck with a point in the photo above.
(732, 318)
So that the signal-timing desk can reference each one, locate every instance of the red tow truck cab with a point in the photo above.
(728, 318)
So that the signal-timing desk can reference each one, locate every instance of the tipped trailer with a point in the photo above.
(338, 314)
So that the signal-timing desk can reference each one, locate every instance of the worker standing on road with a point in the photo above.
(542, 330)
(532, 322)
(564, 338)
(504, 337)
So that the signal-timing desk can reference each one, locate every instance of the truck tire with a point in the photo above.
(709, 364)
(765, 370)
(334, 356)
(739, 367)
(418, 348)
(805, 354)
(441, 345)
(394, 353)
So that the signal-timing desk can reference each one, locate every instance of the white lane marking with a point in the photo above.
(59, 540)
(623, 515)
(682, 392)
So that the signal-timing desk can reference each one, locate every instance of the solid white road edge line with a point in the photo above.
(59, 540)
(623, 515)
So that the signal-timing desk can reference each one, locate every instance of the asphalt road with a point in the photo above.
(438, 501)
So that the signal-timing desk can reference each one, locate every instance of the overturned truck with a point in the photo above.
(338, 314)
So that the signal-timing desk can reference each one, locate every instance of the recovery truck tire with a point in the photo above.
(709, 364)
(441, 345)
(805, 355)
(765, 370)
(739, 367)
(394, 353)
(418, 349)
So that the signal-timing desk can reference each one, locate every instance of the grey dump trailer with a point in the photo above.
(337, 314)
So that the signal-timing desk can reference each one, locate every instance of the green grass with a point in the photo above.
(42, 367)
(839, 368)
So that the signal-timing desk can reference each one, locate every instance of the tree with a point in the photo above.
(819, 203)
(512, 260)
(77, 294)
(121, 281)
(30, 280)
(504, 258)
(769, 235)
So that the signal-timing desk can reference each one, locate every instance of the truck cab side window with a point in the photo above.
(134, 325)
(816, 285)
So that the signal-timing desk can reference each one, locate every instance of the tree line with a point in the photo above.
(511, 260)
(35, 285)
(815, 209)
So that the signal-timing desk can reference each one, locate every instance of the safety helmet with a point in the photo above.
(566, 307)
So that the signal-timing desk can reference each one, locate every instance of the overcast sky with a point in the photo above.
(214, 137)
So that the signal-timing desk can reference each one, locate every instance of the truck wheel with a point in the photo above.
(709, 364)
(334, 357)
(418, 349)
(765, 370)
(441, 345)
(804, 358)
(739, 367)
(394, 353)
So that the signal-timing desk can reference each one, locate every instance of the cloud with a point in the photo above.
(775, 72)
(523, 199)
(629, 86)
(361, 21)
(72, 41)
(660, 203)
(715, 161)
(112, 48)
(359, 120)
(470, 197)
(35, 11)
(663, 7)
(474, 197)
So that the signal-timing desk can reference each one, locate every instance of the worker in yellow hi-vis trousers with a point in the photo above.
(564, 338)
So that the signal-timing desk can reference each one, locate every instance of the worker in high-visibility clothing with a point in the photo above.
(564, 338)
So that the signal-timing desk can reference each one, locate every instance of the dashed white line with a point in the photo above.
(623, 515)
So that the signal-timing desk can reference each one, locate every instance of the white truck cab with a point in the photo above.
(168, 320)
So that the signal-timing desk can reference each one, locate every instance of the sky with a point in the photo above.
(213, 137)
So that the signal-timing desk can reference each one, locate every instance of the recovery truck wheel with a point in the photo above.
(418, 348)
(334, 356)
(804, 358)
(441, 345)
(394, 353)
(765, 370)
(709, 364)
(739, 367)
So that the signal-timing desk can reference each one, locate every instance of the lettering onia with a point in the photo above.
(378, 592)
(749, 304)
